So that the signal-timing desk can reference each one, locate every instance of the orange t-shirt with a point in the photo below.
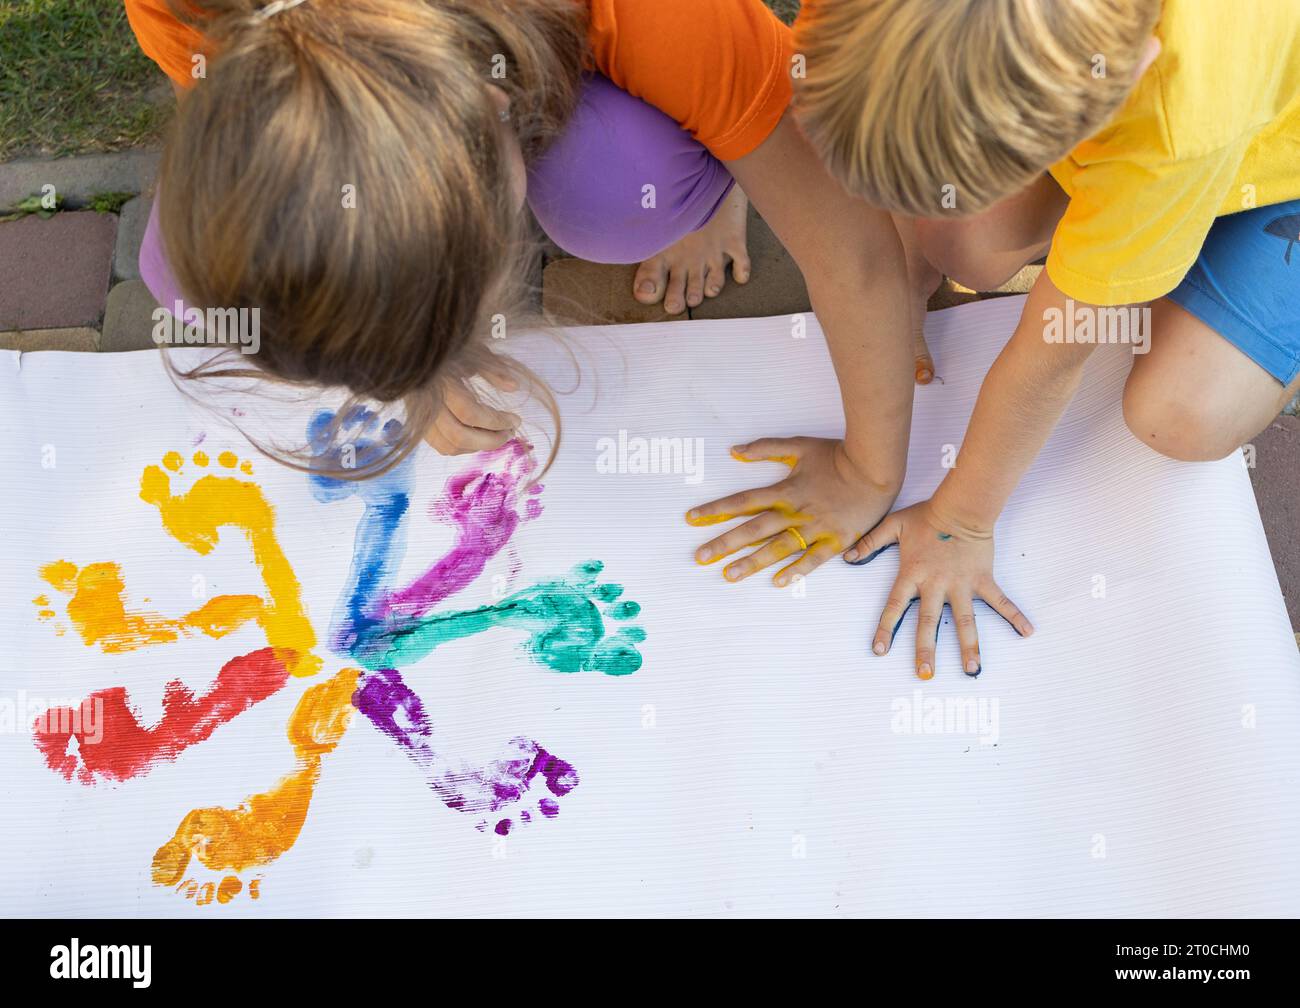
(721, 68)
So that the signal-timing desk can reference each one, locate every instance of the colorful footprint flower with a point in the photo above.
(380, 627)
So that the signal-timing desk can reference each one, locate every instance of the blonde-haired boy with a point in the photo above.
(1150, 149)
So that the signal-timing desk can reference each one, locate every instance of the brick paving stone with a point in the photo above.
(577, 292)
(85, 340)
(54, 273)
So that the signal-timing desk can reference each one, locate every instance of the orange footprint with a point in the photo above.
(96, 607)
(221, 891)
(267, 824)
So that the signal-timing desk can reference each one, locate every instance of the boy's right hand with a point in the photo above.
(466, 423)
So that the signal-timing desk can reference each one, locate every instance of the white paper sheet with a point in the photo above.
(1137, 756)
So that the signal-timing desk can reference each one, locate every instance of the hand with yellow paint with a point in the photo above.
(822, 505)
(940, 560)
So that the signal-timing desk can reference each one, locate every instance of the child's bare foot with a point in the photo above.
(924, 286)
(684, 274)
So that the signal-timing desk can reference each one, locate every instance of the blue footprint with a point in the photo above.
(380, 540)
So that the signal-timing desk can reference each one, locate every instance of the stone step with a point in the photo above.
(128, 319)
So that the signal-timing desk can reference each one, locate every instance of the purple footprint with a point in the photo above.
(397, 711)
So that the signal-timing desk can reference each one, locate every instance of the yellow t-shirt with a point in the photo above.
(1212, 128)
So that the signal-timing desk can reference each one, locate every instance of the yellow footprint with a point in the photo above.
(267, 824)
(97, 608)
(214, 501)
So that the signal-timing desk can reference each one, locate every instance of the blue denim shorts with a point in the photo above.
(1245, 285)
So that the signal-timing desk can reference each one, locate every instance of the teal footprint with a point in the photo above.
(572, 636)
(568, 622)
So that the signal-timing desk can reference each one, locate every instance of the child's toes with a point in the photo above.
(739, 263)
(715, 278)
(695, 286)
(675, 291)
(651, 280)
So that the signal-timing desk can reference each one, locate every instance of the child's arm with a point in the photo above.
(852, 260)
(946, 543)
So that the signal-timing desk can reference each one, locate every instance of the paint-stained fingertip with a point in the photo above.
(703, 519)
(864, 559)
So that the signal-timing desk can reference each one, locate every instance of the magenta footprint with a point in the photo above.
(482, 503)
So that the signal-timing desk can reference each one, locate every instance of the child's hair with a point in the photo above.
(903, 98)
(385, 105)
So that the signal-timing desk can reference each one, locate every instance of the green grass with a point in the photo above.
(73, 79)
(784, 9)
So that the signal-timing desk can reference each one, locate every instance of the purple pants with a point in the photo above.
(623, 182)
(592, 192)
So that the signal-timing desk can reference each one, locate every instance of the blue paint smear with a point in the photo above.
(380, 540)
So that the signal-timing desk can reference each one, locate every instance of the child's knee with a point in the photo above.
(1185, 431)
(959, 249)
(592, 191)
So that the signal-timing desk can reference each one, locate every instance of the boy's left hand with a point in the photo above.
(823, 505)
(938, 561)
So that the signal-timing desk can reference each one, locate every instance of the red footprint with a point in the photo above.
(113, 745)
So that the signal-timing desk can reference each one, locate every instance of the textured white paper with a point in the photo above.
(1137, 756)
